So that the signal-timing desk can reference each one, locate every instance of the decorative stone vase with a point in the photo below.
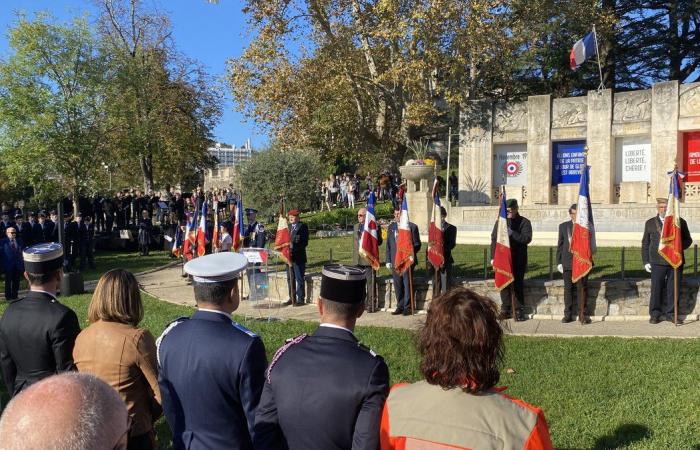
(417, 173)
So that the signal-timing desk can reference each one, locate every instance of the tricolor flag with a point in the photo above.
(238, 231)
(582, 50)
(202, 231)
(582, 244)
(215, 244)
(404, 242)
(369, 240)
(671, 242)
(502, 257)
(177, 242)
(436, 247)
(282, 240)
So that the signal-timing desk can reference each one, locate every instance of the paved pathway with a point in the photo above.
(169, 285)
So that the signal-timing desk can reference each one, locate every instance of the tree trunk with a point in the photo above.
(147, 169)
(673, 43)
(607, 49)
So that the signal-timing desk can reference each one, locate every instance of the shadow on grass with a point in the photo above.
(623, 436)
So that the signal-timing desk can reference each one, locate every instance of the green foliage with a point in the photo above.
(273, 174)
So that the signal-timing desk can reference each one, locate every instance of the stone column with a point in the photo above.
(665, 150)
(600, 146)
(475, 153)
(539, 149)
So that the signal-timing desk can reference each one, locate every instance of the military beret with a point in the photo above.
(343, 284)
(512, 203)
(43, 258)
(216, 267)
(293, 212)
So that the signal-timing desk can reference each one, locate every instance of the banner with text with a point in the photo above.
(567, 157)
(510, 161)
(632, 159)
(691, 151)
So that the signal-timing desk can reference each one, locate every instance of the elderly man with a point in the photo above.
(299, 239)
(325, 391)
(66, 412)
(11, 255)
(212, 369)
(37, 333)
(358, 260)
(661, 271)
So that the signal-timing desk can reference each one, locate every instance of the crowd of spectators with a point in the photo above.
(345, 189)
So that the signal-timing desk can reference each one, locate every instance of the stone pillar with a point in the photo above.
(539, 149)
(475, 153)
(664, 135)
(600, 146)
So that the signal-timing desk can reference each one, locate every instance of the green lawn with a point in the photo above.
(469, 260)
(596, 392)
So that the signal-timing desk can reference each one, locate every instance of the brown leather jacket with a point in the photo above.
(125, 358)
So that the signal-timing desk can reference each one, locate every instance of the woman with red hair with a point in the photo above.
(457, 405)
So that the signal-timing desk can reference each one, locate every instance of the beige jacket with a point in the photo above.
(125, 358)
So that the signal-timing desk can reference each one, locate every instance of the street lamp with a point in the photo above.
(106, 167)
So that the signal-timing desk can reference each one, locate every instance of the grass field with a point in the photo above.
(597, 393)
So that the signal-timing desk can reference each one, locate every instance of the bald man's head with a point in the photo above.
(71, 411)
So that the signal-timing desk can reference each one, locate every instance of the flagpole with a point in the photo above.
(410, 287)
(447, 174)
(597, 53)
(675, 296)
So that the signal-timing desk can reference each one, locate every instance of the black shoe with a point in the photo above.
(670, 319)
(586, 320)
(654, 320)
(300, 303)
(287, 303)
(406, 312)
(520, 317)
(396, 312)
(567, 319)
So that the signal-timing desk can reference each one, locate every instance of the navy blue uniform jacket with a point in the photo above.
(324, 393)
(299, 239)
(391, 236)
(211, 375)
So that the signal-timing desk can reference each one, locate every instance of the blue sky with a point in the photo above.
(210, 33)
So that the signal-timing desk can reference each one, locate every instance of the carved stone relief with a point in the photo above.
(569, 113)
(632, 107)
(510, 117)
(690, 102)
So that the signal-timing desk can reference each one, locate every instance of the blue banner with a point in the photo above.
(567, 157)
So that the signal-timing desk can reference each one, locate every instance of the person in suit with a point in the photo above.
(87, 243)
(519, 235)
(343, 383)
(37, 230)
(449, 242)
(11, 250)
(662, 274)
(5, 223)
(359, 260)
(72, 235)
(37, 333)
(255, 231)
(401, 281)
(564, 258)
(145, 229)
(298, 240)
(24, 230)
(211, 369)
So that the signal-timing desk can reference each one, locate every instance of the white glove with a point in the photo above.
(647, 267)
(560, 268)
(388, 266)
(492, 262)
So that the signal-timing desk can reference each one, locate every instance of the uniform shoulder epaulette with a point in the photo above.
(240, 327)
(368, 350)
(288, 343)
(167, 330)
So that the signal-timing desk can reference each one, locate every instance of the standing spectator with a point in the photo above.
(37, 332)
(122, 355)
(51, 228)
(343, 190)
(98, 212)
(457, 403)
(453, 187)
(24, 230)
(87, 243)
(108, 207)
(326, 195)
(299, 239)
(12, 247)
(72, 230)
(334, 188)
(37, 230)
(145, 228)
(351, 193)
(6, 222)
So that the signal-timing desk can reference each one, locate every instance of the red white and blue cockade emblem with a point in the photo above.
(513, 168)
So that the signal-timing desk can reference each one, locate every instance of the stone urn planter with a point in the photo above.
(416, 173)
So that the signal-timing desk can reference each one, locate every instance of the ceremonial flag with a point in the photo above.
(582, 50)
(582, 244)
(404, 241)
(671, 242)
(215, 244)
(502, 257)
(436, 247)
(177, 242)
(369, 240)
(238, 231)
(202, 231)
(282, 240)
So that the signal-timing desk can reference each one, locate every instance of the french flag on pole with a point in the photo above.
(583, 237)
(582, 50)
(671, 242)
(238, 231)
(369, 240)
(404, 241)
(202, 231)
(502, 257)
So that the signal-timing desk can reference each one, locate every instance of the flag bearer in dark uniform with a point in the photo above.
(564, 258)
(37, 333)
(401, 281)
(449, 242)
(298, 240)
(661, 271)
(325, 391)
(72, 233)
(520, 235)
(212, 369)
(255, 231)
(87, 243)
(358, 260)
